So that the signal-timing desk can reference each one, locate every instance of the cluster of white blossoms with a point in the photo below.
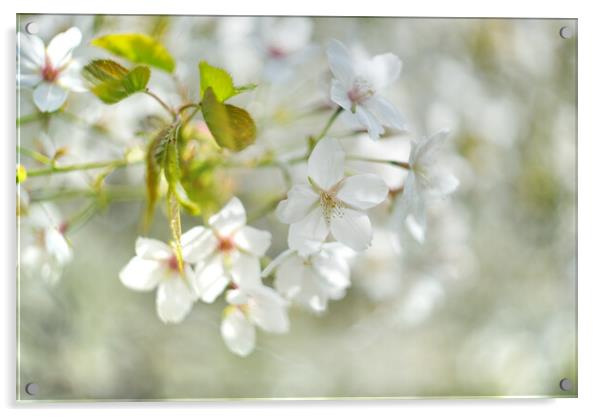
(328, 214)
(224, 255)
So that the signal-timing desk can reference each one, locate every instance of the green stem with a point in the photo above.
(191, 115)
(43, 159)
(161, 102)
(82, 217)
(399, 164)
(187, 106)
(73, 118)
(329, 124)
(112, 193)
(78, 167)
(30, 118)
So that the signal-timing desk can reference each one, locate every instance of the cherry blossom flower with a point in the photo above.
(357, 85)
(45, 251)
(251, 306)
(314, 279)
(156, 266)
(331, 203)
(49, 70)
(284, 45)
(226, 251)
(425, 179)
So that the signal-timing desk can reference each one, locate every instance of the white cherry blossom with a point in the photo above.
(331, 204)
(357, 86)
(426, 179)
(285, 44)
(226, 251)
(45, 250)
(251, 306)
(314, 279)
(156, 266)
(49, 70)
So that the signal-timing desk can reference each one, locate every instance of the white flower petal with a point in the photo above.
(367, 120)
(300, 200)
(339, 94)
(424, 151)
(333, 268)
(238, 333)
(404, 204)
(60, 47)
(28, 80)
(229, 219)
(276, 262)
(174, 300)
(306, 235)
(363, 191)
(71, 79)
(442, 183)
(326, 163)
(197, 244)
(411, 208)
(352, 228)
(416, 223)
(386, 112)
(49, 97)
(253, 240)
(153, 249)
(236, 297)
(340, 62)
(31, 51)
(57, 246)
(267, 309)
(382, 70)
(142, 274)
(210, 279)
(246, 271)
(289, 276)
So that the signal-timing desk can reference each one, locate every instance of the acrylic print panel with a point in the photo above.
(260, 207)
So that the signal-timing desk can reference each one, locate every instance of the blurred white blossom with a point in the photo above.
(284, 45)
(358, 84)
(45, 249)
(49, 70)
(426, 178)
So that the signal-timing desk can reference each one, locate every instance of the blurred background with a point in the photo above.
(485, 307)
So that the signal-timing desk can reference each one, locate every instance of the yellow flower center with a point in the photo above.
(331, 205)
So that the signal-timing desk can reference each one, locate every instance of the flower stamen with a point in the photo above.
(225, 244)
(49, 73)
(360, 91)
(331, 206)
(172, 263)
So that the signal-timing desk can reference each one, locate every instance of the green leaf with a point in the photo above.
(185, 201)
(220, 81)
(111, 82)
(231, 126)
(171, 163)
(152, 177)
(137, 48)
